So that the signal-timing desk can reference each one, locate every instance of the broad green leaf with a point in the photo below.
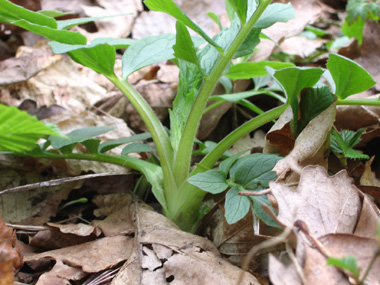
(169, 7)
(254, 171)
(14, 13)
(190, 80)
(147, 51)
(212, 181)
(79, 135)
(260, 213)
(116, 43)
(249, 44)
(349, 77)
(20, 131)
(240, 7)
(313, 102)
(184, 47)
(137, 147)
(347, 263)
(247, 70)
(274, 13)
(236, 206)
(106, 146)
(293, 80)
(100, 58)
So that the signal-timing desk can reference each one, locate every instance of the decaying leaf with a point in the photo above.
(326, 204)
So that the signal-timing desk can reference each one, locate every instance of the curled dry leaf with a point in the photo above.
(310, 146)
(326, 204)
(10, 256)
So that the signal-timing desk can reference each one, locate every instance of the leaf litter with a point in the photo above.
(333, 211)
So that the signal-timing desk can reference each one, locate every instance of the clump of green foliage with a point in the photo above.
(203, 62)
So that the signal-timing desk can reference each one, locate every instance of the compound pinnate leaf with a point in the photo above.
(19, 131)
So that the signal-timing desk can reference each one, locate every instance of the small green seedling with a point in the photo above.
(346, 263)
(343, 143)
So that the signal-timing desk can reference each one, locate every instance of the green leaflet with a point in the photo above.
(247, 70)
(20, 131)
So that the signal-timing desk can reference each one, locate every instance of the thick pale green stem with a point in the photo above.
(189, 197)
(159, 135)
(183, 155)
(359, 101)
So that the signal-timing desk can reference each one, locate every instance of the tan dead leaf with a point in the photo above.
(317, 271)
(27, 63)
(355, 117)
(300, 46)
(10, 253)
(310, 146)
(32, 206)
(370, 58)
(368, 219)
(307, 12)
(114, 27)
(59, 236)
(339, 246)
(280, 274)
(256, 143)
(163, 252)
(61, 274)
(91, 257)
(146, 23)
(326, 204)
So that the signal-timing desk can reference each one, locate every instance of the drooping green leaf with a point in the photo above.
(247, 70)
(313, 102)
(106, 146)
(347, 263)
(349, 77)
(79, 135)
(55, 13)
(216, 19)
(293, 80)
(147, 51)
(236, 206)
(100, 58)
(260, 213)
(20, 131)
(240, 7)
(249, 44)
(137, 147)
(169, 7)
(254, 171)
(212, 181)
(276, 12)
(14, 13)
(184, 47)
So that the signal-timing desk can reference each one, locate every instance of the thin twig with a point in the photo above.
(256, 193)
